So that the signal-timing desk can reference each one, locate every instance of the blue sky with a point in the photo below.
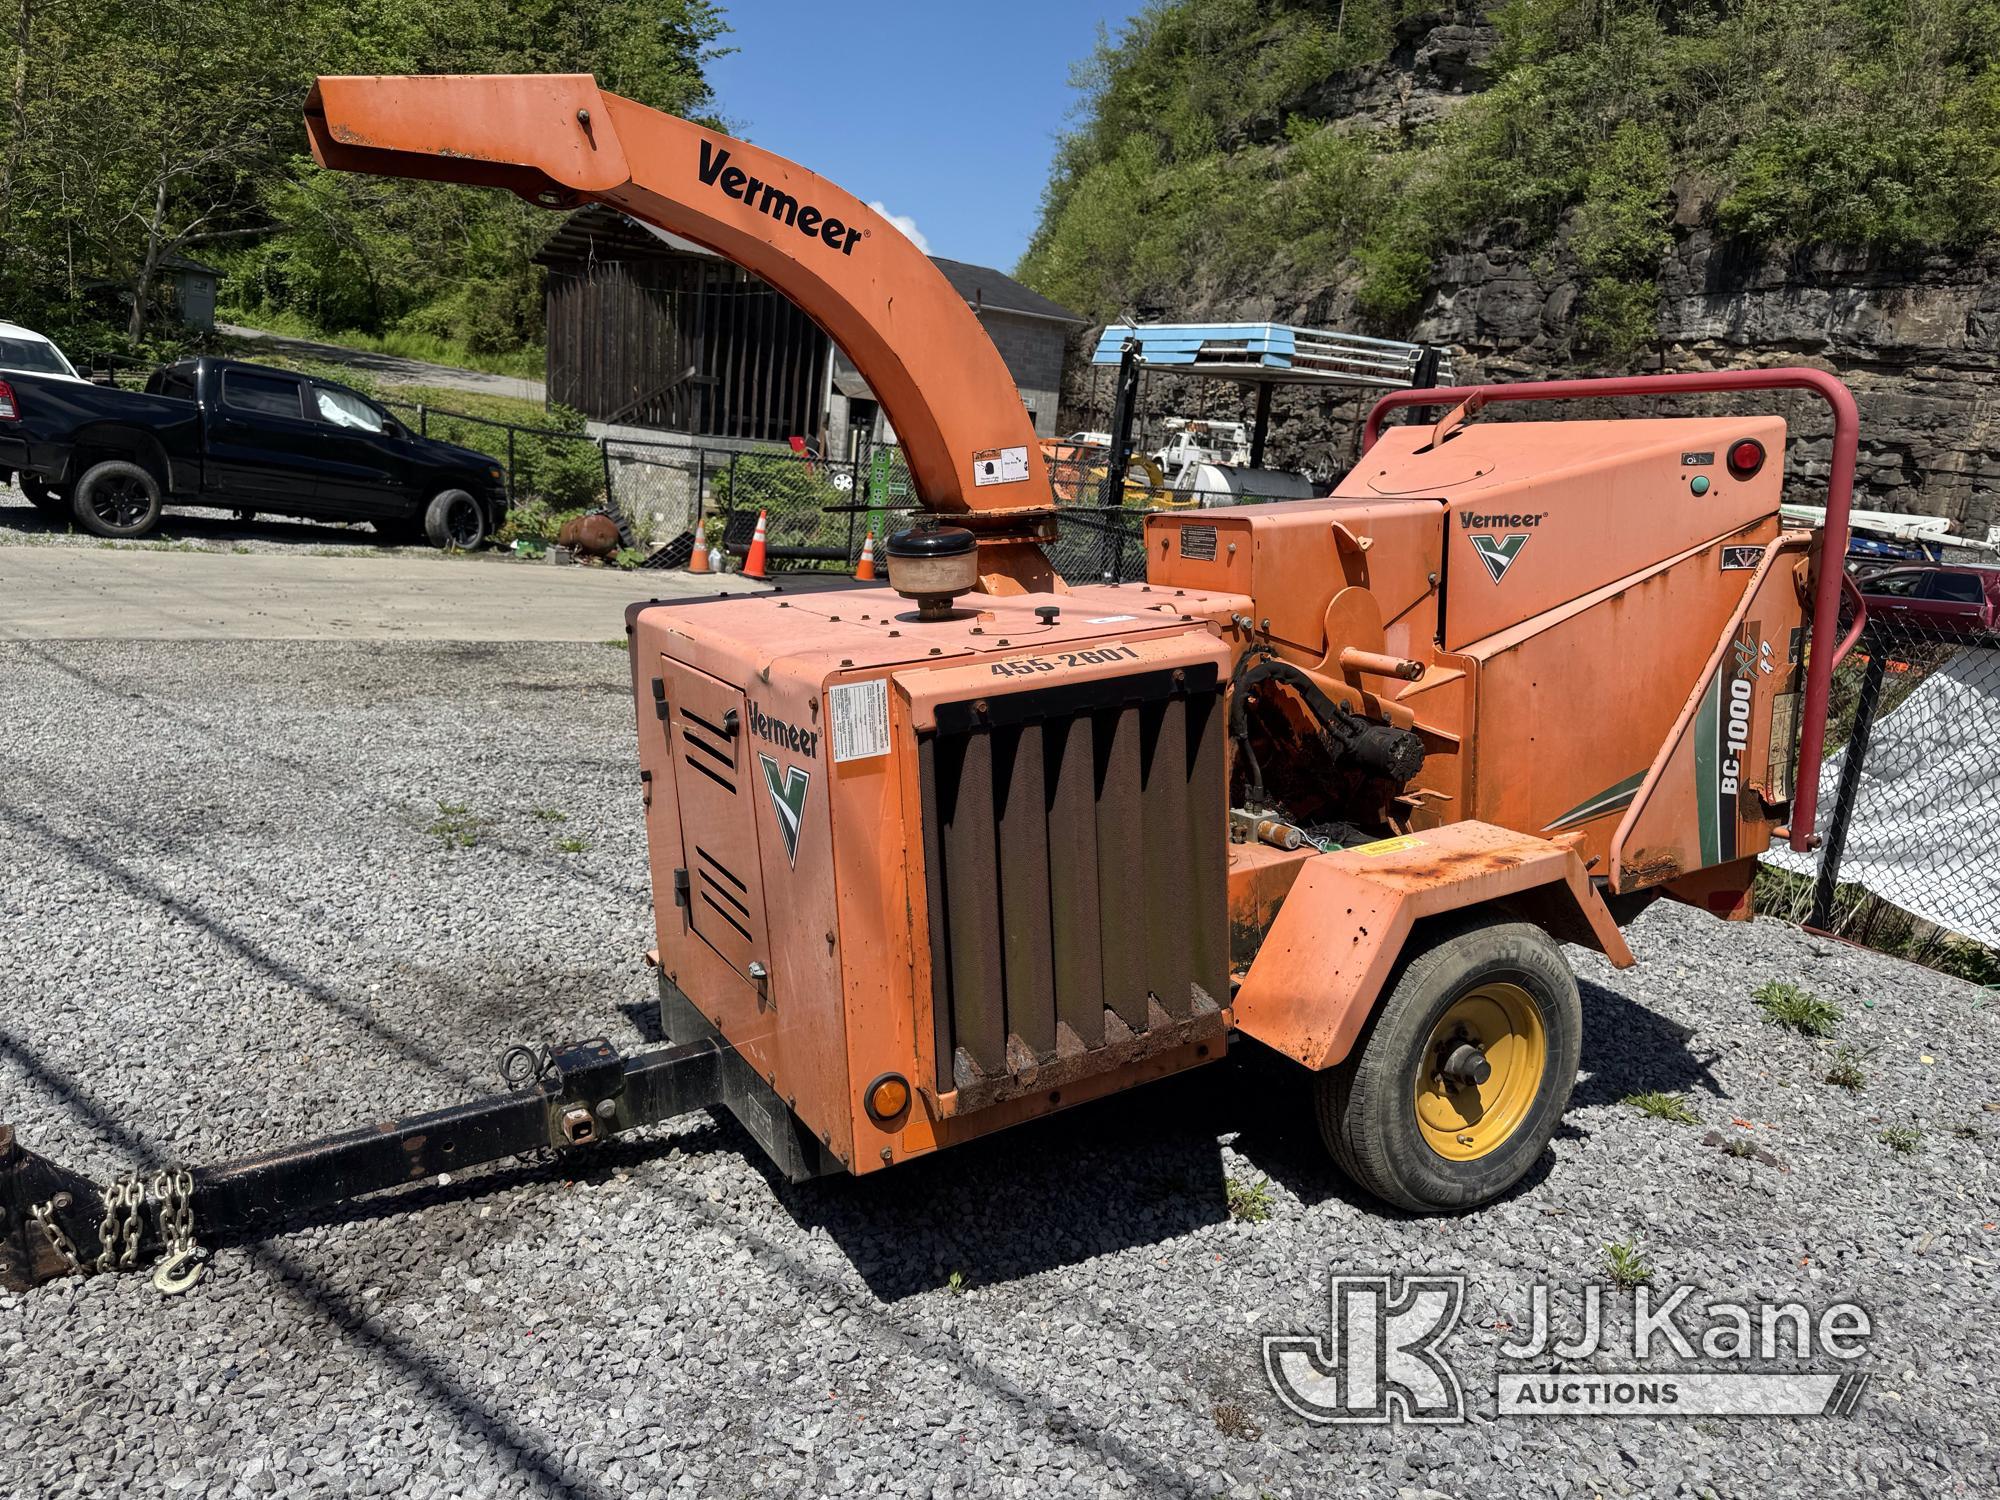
(944, 113)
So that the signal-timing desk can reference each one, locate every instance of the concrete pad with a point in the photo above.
(99, 593)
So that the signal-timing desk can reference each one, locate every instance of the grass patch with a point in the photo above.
(1673, 1108)
(1844, 1072)
(525, 364)
(1249, 1202)
(1865, 918)
(573, 845)
(550, 815)
(1796, 1008)
(1627, 1267)
(621, 644)
(1901, 1139)
(457, 826)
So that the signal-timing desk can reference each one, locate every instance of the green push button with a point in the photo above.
(1699, 484)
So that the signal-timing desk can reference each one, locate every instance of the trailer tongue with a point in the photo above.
(59, 1224)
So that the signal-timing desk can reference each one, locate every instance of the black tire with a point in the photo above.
(1368, 1104)
(117, 499)
(44, 496)
(455, 519)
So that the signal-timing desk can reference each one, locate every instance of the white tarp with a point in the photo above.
(1926, 829)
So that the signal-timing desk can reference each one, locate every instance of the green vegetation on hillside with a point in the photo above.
(132, 134)
(1211, 146)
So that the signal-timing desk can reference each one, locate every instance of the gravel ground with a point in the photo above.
(193, 529)
(228, 925)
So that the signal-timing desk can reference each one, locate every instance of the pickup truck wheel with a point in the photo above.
(455, 519)
(117, 499)
(1457, 1082)
(44, 496)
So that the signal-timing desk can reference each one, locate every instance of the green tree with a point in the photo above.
(131, 134)
(1210, 137)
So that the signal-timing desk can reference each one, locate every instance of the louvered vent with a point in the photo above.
(1076, 866)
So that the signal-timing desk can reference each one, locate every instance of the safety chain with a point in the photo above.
(173, 1195)
(123, 1226)
(44, 1215)
(122, 1202)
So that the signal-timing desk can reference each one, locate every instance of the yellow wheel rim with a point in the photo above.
(1462, 1119)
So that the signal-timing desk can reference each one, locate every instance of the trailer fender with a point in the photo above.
(1334, 944)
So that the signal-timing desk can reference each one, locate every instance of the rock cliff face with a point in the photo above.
(1919, 341)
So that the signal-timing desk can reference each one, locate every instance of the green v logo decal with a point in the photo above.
(1498, 553)
(787, 801)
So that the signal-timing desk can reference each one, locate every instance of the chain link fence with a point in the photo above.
(1909, 861)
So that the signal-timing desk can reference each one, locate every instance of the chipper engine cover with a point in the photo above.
(971, 868)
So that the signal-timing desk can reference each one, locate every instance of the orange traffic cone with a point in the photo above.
(753, 563)
(698, 559)
(865, 569)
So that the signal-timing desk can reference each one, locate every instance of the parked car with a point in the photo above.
(1957, 600)
(244, 437)
(26, 352)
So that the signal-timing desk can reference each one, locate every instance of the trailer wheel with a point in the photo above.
(44, 496)
(117, 499)
(455, 519)
(1455, 1086)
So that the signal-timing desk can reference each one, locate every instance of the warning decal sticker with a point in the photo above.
(999, 466)
(859, 714)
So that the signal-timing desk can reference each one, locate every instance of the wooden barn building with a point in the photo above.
(646, 329)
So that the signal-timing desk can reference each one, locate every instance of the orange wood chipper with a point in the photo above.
(933, 859)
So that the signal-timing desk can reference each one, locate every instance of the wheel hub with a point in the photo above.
(1480, 1071)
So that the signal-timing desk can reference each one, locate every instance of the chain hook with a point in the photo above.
(180, 1271)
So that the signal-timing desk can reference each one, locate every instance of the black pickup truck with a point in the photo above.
(243, 437)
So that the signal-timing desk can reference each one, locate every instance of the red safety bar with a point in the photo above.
(1832, 578)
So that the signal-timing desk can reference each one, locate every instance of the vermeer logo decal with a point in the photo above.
(767, 198)
(788, 801)
(1498, 553)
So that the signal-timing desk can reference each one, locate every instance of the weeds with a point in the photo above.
(1249, 1202)
(1845, 1071)
(1627, 1267)
(1795, 1008)
(1901, 1139)
(1232, 1421)
(458, 826)
(1673, 1108)
(573, 845)
(957, 1284)
(550, 814)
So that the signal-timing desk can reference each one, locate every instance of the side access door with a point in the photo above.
(364, 470)
(263, 448)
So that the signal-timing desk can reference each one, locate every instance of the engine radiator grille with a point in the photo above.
(1076, 864)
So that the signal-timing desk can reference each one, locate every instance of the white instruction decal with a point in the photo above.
(859, 713)
(1109, 619)
(1000, 466)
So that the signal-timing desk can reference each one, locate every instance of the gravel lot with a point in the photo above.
(194, 529)
(228, 925)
